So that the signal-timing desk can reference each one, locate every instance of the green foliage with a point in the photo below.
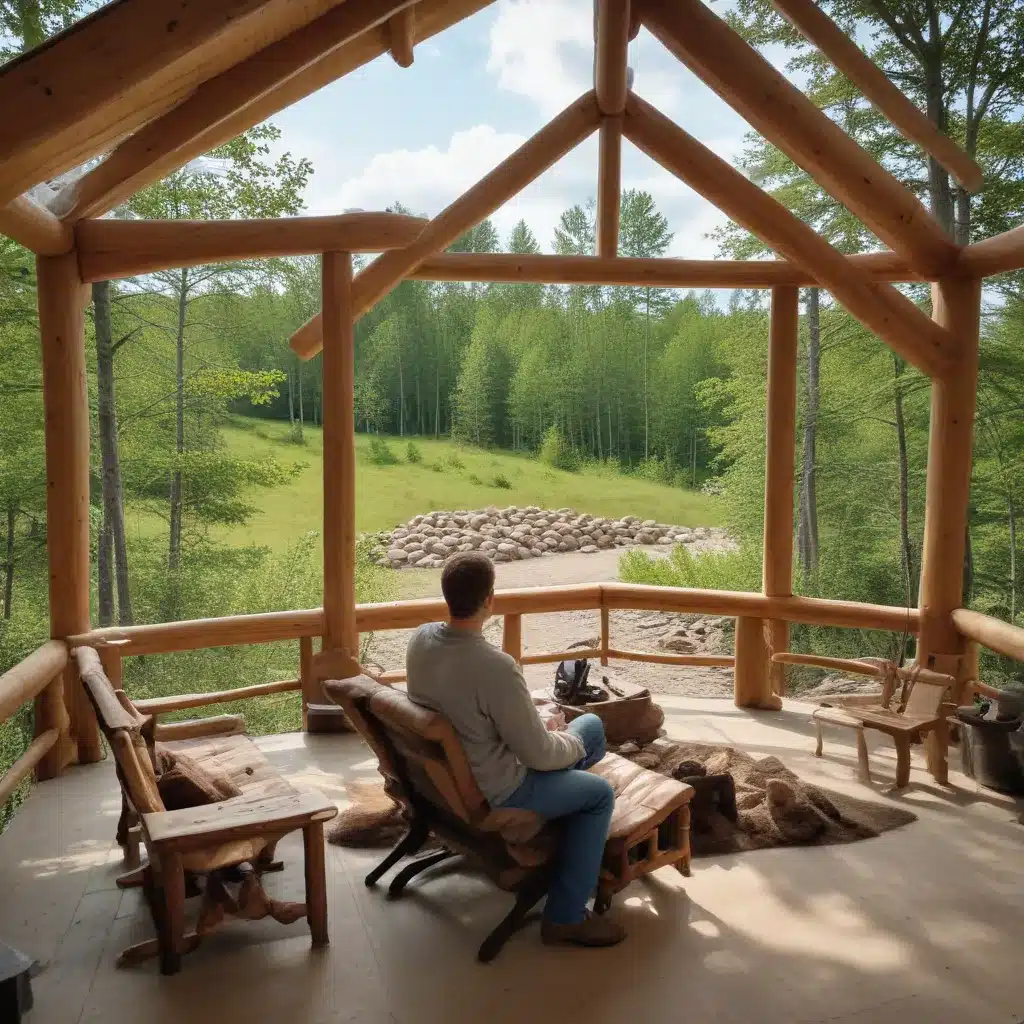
(413, 455)
(555, 451)
(712, 570)
(502, 482)
(379, 453)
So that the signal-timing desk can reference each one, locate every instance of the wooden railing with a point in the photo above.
(115, 643)
(38, 678)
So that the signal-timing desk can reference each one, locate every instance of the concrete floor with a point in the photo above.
(925, 923)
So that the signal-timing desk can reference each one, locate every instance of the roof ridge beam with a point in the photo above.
(611, 76)
(142, 158)
(772, 105)
(879, 307)
(561, 135)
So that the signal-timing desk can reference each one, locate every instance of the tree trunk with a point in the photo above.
(647, 338)
(291, 401)
(110, 461)
(906, 548)
(104, 576)
(401, 397)
(302, 418)
(12, 515)
(1011, 508)
(807, 533)
(174, 547)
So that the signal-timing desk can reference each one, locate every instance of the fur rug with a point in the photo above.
(776, 808)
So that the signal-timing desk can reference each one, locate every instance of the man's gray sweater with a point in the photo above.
(482, 692)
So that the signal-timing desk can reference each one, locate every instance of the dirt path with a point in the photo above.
(556, 632)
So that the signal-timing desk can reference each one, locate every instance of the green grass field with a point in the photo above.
(450, 476)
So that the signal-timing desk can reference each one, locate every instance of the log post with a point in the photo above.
(311, 692)
(611, 75)
(751, 680)
(62, 298)
(339, 459)
(780, 455)
(956, 305)
(606, 631)
(512, 636)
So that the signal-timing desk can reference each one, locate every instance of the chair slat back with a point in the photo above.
(927, 690)
(416, 747)
(123, 730)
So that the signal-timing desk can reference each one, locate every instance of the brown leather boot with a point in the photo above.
(591, 931)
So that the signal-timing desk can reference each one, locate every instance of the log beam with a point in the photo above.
(611, 32)
(339, 460)
(160, 146)
(402, 36)
(535, 156)
(35, 227)
(62, 297)
(820, 30)
(956, 305)
(109, 249)
(996, 255)
(656, 272)
(880, 308)
(730, 66)
(780, 456)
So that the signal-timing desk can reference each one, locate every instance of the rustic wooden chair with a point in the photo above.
(917, 715)
(220, 844)
(426, 771)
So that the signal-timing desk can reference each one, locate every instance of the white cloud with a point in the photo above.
(543, 50)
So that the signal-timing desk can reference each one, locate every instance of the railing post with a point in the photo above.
(780, 455)
(310, 687)
(62, 297)
(512, 636)
(751, 679)
(605, 634)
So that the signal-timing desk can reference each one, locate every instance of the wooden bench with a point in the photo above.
(216, 846)
(917, 716)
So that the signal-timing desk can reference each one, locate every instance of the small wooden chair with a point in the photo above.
(918, 716)
(426, 771)
(221, 843)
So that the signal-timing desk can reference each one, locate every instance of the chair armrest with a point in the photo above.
(243, 817)
(192, 728)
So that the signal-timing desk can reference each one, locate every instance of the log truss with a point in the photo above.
(151, 84)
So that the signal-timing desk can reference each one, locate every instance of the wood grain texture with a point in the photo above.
(109, 249)
(142, 157)
(956, 305)
(35, 227)
(30, 676)
(996, 635)
(995, 255)
(339, 456)
(117, 68)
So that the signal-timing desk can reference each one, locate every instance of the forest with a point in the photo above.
(658, 384)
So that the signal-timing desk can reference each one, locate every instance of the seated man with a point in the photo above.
(516, 759)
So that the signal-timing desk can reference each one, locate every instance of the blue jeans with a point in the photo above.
(585, 801)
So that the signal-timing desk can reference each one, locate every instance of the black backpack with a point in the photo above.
(571, 684)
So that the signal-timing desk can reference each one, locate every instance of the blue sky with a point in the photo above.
(422, 135)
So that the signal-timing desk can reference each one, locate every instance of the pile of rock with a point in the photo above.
(509, 534)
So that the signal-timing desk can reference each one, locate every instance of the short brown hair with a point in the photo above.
(466, 582)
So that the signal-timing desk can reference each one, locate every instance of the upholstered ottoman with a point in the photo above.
(650, 825)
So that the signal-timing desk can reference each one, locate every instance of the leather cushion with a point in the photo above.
(643, 799)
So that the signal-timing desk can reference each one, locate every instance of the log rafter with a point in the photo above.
(579, 120)
(150, 152)
(731, 67)
(880, 307)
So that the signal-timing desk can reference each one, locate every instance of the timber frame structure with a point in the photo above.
(151, 84)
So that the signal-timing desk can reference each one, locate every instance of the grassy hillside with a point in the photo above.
(450, 476)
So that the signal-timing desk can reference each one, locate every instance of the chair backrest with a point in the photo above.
(418, 749)
(927, 690)
(123, 726)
